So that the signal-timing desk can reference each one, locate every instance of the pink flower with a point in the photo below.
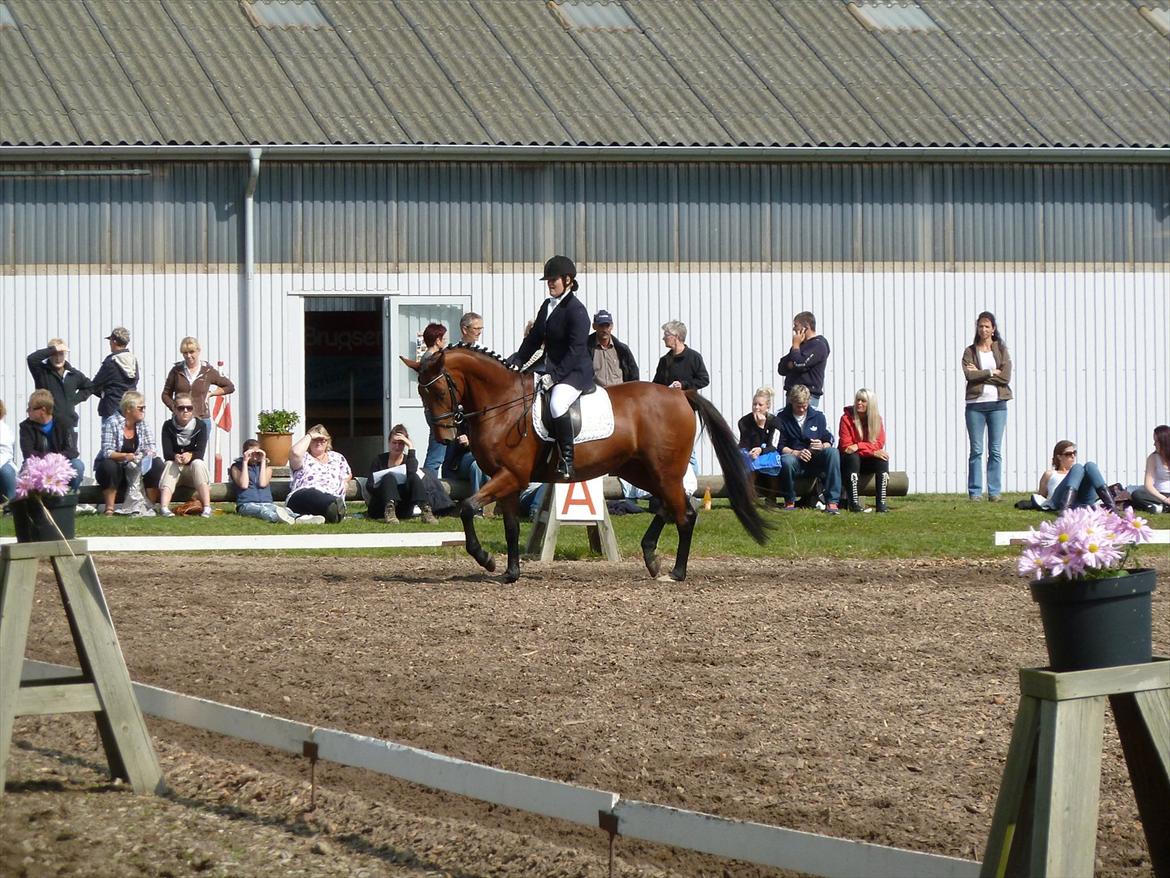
(1033, 562)
(1082, 543)
(1135, 526)
(50, 474)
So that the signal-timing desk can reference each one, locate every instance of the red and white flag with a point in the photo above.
(221, 413)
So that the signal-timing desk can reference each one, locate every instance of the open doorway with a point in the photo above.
(344, 375)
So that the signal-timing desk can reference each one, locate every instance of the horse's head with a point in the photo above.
(440, 396)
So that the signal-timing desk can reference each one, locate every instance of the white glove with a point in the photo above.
(546, 381)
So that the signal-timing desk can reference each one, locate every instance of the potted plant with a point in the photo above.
(274, 430)
(44, 507)
(1095, 610)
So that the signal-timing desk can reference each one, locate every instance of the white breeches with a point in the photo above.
(562, 396)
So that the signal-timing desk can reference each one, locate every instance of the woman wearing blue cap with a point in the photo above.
(562, 326)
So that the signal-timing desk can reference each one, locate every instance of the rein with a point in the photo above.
(456, 412)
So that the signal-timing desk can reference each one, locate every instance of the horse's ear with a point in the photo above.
(411, 364)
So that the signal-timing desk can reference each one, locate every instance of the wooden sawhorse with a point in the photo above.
(104, 686)
(1045, 821)
(542, 538)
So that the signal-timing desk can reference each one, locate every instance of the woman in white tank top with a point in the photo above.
(1154, 493)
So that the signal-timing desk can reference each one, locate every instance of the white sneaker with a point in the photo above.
(144, 513)
(309, 519)
(86, 509)
(284, 515)
(124, 510)
(165, 512)
(206, 513)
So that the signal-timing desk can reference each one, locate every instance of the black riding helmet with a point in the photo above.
(559, 266)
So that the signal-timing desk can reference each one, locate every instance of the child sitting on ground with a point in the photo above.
(251, 474)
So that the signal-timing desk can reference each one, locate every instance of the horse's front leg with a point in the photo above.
(499, 485)
(510, 507)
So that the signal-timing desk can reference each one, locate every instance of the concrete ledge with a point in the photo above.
(224, 492)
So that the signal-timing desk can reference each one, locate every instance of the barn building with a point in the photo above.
(303, 184)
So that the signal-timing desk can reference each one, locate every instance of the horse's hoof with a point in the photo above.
(678, 576)
(511, 576)
(653, 564)
(489, 564)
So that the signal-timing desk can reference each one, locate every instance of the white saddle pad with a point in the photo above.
(596, 416)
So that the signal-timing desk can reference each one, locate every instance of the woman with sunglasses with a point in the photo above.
(1069, 483)
(184, 441)
(127, 462)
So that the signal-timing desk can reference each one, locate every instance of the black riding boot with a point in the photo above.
(563, 433)
(1107, 498)
(880, 488)
(854, 494)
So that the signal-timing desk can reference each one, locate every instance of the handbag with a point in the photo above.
(1121, 497)
(767, 460)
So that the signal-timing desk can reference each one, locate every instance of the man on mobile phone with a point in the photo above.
(805, 362)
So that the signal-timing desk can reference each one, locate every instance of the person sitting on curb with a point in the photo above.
(41, 433)
(251, 473)
(184, 442)
(319, 476)
(128, 459)
(862, 443)
(807, 448)
(396, 484)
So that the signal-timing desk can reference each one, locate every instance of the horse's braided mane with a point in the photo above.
(468, 346)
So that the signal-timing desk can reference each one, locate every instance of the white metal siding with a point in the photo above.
(1088, 347)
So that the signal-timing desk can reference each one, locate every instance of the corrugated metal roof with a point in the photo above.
(102, 103)
(516, 72)
(1091, 70)
(583, 100)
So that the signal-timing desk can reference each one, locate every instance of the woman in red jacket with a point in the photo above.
(861, 438)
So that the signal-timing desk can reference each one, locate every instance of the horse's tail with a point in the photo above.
(735, 474)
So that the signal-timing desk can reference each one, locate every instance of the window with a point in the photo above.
(898, 17)
(593, 15)
(285, 13)
(1158, 16)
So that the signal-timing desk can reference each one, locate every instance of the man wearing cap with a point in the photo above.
(562, 326)
(119, 372)
(51, 371)
(613, 362)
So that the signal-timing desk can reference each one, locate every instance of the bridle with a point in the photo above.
(456, 413)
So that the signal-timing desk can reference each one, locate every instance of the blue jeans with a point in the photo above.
(469, 469)
(1082, 482)
(814, 402)
(79, 470)
(992, 417)
(436, 451)
(825, 463)
(265, 511)
(7, 481)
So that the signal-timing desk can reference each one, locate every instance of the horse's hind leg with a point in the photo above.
(685, 531)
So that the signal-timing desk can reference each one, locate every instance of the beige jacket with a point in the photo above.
(975, 380)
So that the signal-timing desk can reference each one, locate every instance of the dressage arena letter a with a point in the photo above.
(580, 501)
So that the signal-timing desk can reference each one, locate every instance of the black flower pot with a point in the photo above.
(38, 519)
(1096, 623)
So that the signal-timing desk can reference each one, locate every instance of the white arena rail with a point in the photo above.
(1018, 537)
(692, 830)
(257, 542)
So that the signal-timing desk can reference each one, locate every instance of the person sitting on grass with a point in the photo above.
(1153, 493)
(184, 442)
(1069, 483)
(127, 461)
(251, 473)
(396, 484)
(319, 476)
(807, 448)
(41, 434)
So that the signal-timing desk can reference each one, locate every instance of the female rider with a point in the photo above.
(562, 326)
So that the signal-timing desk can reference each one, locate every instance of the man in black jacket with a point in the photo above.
(681, 367)
(118, 373)
(41, 433)
(613, 362)
(51, 371)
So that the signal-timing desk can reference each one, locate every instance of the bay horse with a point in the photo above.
(654, 433)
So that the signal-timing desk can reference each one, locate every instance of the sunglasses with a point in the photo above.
(184, 408)
(1068, 454)
(141, 408)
